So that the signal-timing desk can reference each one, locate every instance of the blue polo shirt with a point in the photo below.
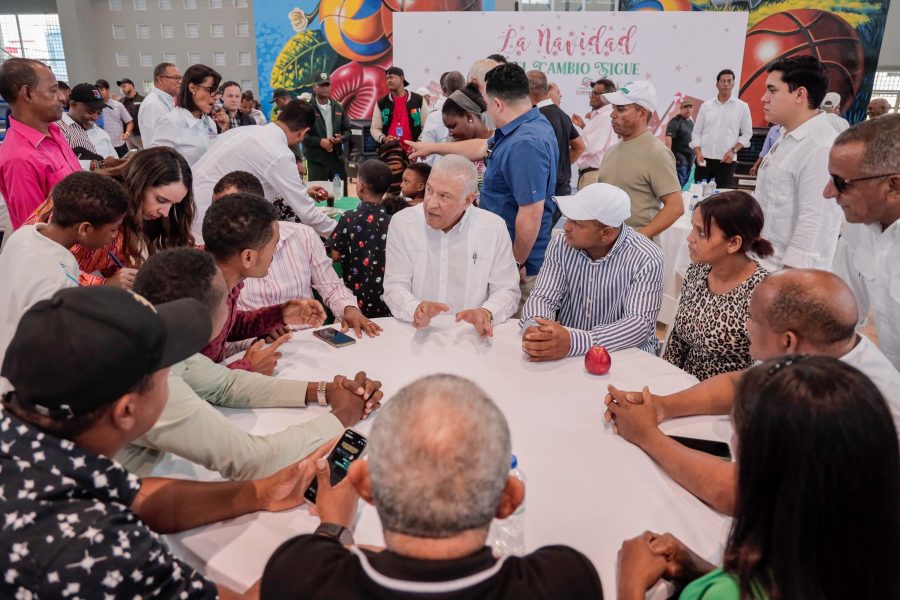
(521, 170)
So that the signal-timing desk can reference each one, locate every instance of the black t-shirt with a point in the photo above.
(680, 130)
(565, 132)
(318, 567)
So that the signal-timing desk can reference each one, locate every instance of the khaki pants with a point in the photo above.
(525, 287)
(588, 178)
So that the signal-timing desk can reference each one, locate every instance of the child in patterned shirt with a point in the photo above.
(360, 239)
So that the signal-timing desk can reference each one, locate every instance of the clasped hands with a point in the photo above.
(548, 340)
(480, 318)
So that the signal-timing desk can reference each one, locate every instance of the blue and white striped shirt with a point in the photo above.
(611, 302)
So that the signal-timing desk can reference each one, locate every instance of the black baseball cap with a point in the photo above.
(125, 80)
(89, 94)
(278, 93)
(102, 83)
(321, 77)
(86, 347)
(398, 72)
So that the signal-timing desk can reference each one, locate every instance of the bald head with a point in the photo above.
(817, 306)
(479, 69)
(439, 456)
(878, 107)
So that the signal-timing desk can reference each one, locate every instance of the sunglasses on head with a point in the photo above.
(841, 184)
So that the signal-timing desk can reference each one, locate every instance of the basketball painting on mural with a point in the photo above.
(826, 36)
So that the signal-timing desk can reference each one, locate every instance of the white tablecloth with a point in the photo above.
(586, 487)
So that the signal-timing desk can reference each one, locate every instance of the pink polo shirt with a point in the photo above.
(30, 165)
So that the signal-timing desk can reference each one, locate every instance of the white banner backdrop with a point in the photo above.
(679, 52)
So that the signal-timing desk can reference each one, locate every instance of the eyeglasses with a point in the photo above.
(841, 184)
(213, 91)
(175, 77)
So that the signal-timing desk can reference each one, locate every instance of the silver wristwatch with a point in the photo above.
(320, 393)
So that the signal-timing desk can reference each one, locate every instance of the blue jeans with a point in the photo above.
(683, 171)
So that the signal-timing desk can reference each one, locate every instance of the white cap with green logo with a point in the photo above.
(638, 92)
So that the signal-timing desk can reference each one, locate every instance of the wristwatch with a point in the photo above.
(320, 393)
(490, 315)
(338, 532)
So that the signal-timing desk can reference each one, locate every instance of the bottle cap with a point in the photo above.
(515, 462)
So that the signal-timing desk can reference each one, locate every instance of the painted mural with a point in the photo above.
(845, 35)
(351, 39)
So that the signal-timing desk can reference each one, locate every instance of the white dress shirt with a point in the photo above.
(434, 130)
(598, 136)
(471, 266)
(184, 132)
(101, 141)
(34, 268)
(874, 364)
(155, 106)
(98, 138)
(720, 126)
(867, 259)
(264, 152)
(802, 226)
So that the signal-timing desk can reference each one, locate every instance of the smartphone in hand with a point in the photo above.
(349, 448)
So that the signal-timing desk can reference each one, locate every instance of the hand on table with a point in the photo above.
(480, 318)
(354, 318)
(264, 360)
(640, 566)
(427, 311)
(124, 278)
(302, 312)
(277, 333)
(548, 340)
(633, 414)
(335, 504)
(284, 489)
(353, 400)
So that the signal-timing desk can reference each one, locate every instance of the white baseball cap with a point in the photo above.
(305, 96)
(597, 202)
(638, 92)
(831, 100)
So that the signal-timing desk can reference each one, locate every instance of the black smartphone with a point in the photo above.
(349, 448)
(334, 337)
(718, 449)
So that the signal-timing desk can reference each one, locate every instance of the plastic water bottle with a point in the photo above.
(705, 187)
(507, 536)
(712, 187)
(399, 131)
(337, 187)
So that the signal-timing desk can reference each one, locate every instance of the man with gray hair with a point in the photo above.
(160, 101)
(438, 473)
(864, 165)
(447, 255)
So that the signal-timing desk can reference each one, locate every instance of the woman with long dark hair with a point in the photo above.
(159, 216)
(190, 128)
(818, 507)
(708, 335)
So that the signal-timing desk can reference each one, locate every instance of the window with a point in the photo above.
(167, 31)
(190, 4)
(244, 59)
(215, 3)
(242, 29)
(34, 36)
(118, 32)
(887, 86)
(218, 59)
(143, 32)
(216, 30)
(115, 4)
(193, 58)
(140, 4)
(165, 4)
(246, 84)
(169, 57)
(121, 59)
(191, 30)
(240, 3)
(146, 59)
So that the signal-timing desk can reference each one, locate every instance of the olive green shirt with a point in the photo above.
(192, 428)
(645, 169)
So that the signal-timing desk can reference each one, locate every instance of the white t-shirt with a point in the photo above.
(34, 267)
(325, 109)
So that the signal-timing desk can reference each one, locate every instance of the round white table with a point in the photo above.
(586, 487)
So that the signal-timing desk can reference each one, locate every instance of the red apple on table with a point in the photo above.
(597, 360)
